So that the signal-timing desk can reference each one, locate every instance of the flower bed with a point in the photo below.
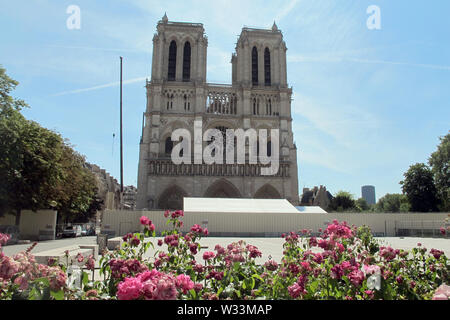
(344, 263)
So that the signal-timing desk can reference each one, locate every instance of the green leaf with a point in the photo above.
(43, 281)
(85, 278)
(57, 295)
(257, 276)
(253, 283)
(35, 294)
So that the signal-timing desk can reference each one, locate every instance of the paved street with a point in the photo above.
(49, 245)
(268, 246)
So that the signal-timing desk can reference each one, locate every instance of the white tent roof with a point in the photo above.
(311, 209)
(224, 205)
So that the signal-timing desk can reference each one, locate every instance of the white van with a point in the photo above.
(72, 231)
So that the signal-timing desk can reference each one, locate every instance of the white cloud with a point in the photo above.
(286, 10)
(336, 58)
(102, 86)
(344, 123)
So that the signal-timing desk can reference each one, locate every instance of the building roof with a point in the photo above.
(310, 209)
(224, 205)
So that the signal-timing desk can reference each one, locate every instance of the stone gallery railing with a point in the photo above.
(165, 167)
(221, 99)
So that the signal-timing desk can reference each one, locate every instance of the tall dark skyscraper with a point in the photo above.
(368, 193)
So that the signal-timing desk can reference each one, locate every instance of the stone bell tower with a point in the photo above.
(260, 58)
(179, 52)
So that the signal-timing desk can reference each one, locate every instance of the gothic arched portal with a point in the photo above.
(267, 192)
(222, 189)
(172, 198)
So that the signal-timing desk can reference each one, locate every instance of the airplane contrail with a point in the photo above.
(102, 86)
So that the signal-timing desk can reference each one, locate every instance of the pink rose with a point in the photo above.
(372, 269)
(165, 288)
(296, 290)
(129, 289)
(184, 283)
(145, 221)
(208, 255)
(442, 293)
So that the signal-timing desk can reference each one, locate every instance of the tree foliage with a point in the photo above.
(419, 187)
(77, 195)
(30, 167)
(7, 85)
(394, 202)
(38, 169)
(342, 201)
(439, 162)
(362, 205)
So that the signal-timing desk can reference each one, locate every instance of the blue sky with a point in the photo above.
(367, 103)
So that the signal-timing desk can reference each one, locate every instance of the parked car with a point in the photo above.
(83, 231)
(12, 231)
(72, 232)
(87, 230)
(90, 231)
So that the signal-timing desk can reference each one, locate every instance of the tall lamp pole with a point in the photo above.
(121, 135)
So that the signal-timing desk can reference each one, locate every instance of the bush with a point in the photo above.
(344, 263)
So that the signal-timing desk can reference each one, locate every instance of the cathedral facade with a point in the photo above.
(178, 97)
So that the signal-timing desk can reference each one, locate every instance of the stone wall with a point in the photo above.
(34, 225)
(263, 224)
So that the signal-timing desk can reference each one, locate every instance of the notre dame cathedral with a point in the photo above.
(178, 96)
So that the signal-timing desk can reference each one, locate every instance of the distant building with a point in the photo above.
(129, 197)
(316, 197)
(108, 188)
(368, 193)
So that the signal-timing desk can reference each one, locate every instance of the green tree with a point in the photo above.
(342, 201)
(395, 202)
(38, 169)
(440, 167)
(362, 205)
(419, 187)
(77, 194)
(7, 85)
(29, 164)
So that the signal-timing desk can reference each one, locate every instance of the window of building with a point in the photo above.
(172, 61)
(187, 61)
(187, 103)
(169, 101)
(169, 145)
(255, 66)
(267, 67)
(268, 150)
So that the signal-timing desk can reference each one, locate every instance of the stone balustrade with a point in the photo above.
(165, 167)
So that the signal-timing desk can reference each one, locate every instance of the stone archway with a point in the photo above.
(172, 198)
(222, 189)
(267, 192)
